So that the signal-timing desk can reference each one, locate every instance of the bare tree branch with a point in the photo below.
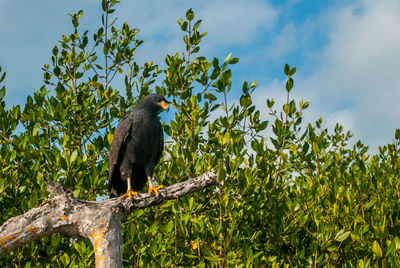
(98, 221)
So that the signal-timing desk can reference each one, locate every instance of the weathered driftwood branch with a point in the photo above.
(98, 221)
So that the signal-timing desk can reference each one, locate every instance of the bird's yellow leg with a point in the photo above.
(152, 188)
(129, 193)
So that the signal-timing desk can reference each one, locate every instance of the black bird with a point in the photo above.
(136, 148)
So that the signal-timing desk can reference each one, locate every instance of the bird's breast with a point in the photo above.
(146, 140)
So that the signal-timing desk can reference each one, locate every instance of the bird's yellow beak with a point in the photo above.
(163, 105)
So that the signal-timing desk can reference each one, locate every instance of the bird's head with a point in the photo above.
(153, 102)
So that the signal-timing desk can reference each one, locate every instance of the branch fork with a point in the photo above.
(98, 221)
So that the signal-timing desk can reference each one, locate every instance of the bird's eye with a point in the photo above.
(159, 99)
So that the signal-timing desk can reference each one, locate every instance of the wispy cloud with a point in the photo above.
(28, 31)
(355, 82)
(239, 22)
(347, 52)
(360, 63)
(236, 23)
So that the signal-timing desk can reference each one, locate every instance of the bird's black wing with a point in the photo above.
(124, 129)
(161, 145)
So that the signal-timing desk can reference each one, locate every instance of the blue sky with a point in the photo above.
(346, 52)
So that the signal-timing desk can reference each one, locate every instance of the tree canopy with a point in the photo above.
(301, 196)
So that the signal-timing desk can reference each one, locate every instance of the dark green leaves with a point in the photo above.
(270, 103)
(75, 18)
(289, 84)
(2, 93)
(190, 15)
(245, 100)
(289, 72)
(3, 76)
(288, 193)
(184, 26)
(226, 76)
(197, 25)
(286, 69)
(234, 60)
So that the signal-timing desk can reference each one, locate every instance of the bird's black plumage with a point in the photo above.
(136, 147)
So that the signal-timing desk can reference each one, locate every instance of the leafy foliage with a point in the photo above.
(301, 197)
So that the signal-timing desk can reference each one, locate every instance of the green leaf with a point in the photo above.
(74, 156)
(210, 96)
(196, 25)
(65, 259)
(292, 106)
(270, 103)
(226, 138)
(57, 70)
(315, 147)
(2, 77)
(370, 204)
(286, 108)
(292, 71)
(376, 249)
(263, 125)
(184, 26)
(2, 92)
(186, 40)
(212, 258)
(226, 76)
(234, 60)
(55, 50)
(227, 57)
(397, 241)
(289, 84)
(169, 227)
(153, 229)
(245, 100)
(78, 248)
(190, 15)
(191, 200)
(391, 248)
(342, 235)
(35, 130)
(195, 50)
(396, 134)
(286, 69)
(79, 14)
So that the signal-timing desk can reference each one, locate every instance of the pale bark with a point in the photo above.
(98, 221)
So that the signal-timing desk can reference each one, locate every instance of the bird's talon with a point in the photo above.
(129, 194)
(155, 190)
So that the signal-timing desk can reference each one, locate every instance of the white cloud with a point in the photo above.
(344, 117)
(28, 33)
(228, 24)
(294, 37)
(353, 79)
(237, 22)
(359, 66)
